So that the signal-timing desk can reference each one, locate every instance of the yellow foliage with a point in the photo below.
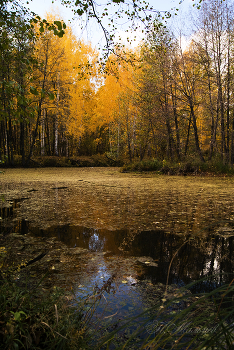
(69, 71)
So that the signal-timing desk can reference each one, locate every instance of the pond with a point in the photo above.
(131, 233)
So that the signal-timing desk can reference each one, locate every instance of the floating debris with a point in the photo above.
(147, 260)
(225, 231)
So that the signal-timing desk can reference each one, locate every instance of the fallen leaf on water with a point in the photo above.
(124, 281)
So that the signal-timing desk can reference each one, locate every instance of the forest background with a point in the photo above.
(161, 100)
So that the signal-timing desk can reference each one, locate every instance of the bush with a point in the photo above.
(144, 165)
(189, 167)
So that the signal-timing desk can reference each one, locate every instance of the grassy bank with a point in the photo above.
(35, 317)
(200, 322)
(98, 160)
(191, 167)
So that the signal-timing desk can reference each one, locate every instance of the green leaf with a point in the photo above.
(61, 34)
(17, 315)
(43, 93)
(16, 346)
(51, 95)
(33, 90)
(80, 12)
(58, 24)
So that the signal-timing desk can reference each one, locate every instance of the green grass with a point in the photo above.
(144, 165)
(190, 167)
(32, 317)
(203, 321)
(98, 160)
(35, 318)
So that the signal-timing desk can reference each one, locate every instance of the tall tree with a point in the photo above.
(214, 43)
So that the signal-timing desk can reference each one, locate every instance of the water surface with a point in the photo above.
(130, 227)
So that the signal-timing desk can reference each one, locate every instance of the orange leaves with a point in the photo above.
(118, 80)
(69, 69)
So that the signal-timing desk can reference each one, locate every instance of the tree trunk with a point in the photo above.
(43, 133)
(22, 137)
(56, 153)
(228, 102)
(38, 110)
(187, 138)
(232, 143)
(196, 133)
(176, 125)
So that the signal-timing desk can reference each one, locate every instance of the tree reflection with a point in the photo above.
(190, 257)
(96, 243)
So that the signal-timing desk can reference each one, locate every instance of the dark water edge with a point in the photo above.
(159, 257)
(194, 257)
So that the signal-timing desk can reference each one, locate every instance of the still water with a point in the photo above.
(136, 231)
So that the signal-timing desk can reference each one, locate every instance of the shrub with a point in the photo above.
(144, 165)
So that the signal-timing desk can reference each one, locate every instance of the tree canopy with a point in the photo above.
(107, 15)
(159, 100)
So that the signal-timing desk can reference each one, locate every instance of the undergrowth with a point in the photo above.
(190, 167)
(32, 317)
(97, 160)
(201, 322)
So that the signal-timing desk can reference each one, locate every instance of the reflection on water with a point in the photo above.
(132, 228)
(193, 256)
(134, 291)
